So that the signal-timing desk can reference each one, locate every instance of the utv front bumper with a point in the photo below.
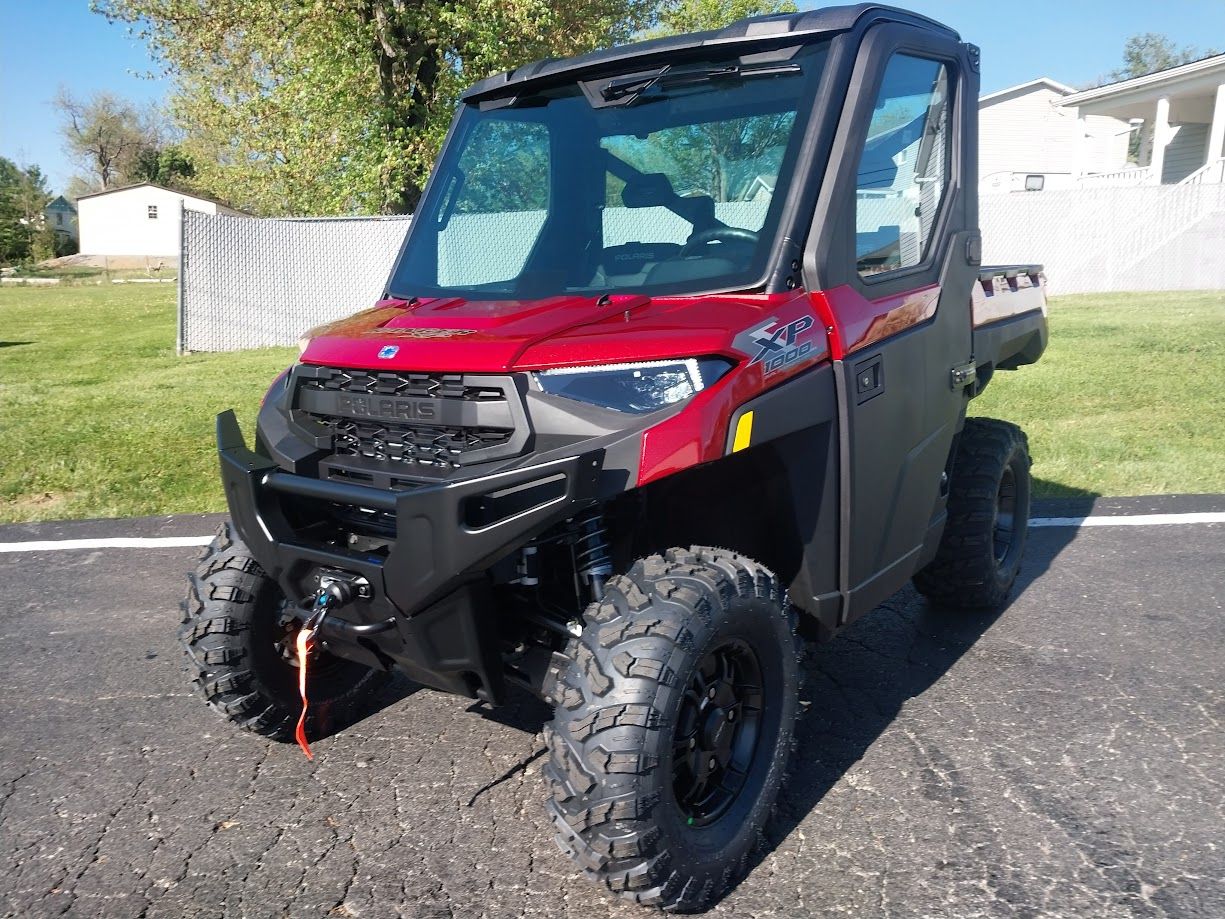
(426, 608)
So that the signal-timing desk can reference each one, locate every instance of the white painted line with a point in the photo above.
(177, 542)
(1135, 520)
(117, 542)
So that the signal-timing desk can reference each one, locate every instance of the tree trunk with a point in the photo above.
(408, 70)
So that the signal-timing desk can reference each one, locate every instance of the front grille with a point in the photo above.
(414, 385)
(413, 419)
(404, 443)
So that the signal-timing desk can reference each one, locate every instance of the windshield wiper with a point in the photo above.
(668, 79)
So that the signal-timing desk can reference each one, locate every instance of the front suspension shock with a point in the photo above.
(592, 556)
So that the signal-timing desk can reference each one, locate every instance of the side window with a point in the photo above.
(904, 169)
(500, 192)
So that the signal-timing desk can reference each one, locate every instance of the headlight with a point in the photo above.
(634, 388)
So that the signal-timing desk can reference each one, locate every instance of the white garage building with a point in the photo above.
(138, 220)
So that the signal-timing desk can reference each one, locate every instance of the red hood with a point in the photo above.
(496, 336)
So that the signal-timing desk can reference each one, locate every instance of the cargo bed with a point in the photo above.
(1009, 310)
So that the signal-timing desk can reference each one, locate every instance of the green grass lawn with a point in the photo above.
(1127, 399)
(99, 418)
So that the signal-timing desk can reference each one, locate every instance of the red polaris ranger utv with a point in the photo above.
(673, 366)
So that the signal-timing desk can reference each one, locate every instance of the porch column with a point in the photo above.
(1216, 134)
(1161, 139)
(1082, 145)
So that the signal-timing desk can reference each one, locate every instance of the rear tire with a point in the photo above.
(980, 552)
(235, 650)
(675, 713)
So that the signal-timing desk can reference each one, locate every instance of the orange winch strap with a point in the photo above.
(304, 642)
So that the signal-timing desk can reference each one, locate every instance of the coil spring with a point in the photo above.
(592, 556)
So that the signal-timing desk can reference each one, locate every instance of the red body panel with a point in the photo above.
(497, 336)
(858, 322)
(771, 338)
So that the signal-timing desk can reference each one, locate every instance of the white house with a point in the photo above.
(1028, 140)
(1180, 113)
(140, 219)
(61, 216)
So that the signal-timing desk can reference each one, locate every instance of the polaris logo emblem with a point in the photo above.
(382, 408)
(387, 352)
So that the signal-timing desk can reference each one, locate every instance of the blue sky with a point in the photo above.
(45, 43)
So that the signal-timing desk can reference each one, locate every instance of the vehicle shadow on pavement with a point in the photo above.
(855, 686)
(523, 712)
(398, 688)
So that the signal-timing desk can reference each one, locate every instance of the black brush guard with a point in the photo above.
(428, 609)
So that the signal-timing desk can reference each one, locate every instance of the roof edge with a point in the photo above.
(173, 191)
(1124, 86)
(1040, 81)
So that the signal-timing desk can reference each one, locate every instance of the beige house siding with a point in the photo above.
(1023, 132)
(1185, 152)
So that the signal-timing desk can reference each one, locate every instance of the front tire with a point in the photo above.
(236, 650)
(980, 551)
(675, 712)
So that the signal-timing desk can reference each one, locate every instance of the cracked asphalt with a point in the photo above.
(1063, 759)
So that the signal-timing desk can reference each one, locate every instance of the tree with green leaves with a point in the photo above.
(23, 195)
(1151, 51)
(677, 17)
(168, 166)
(105, 135)
(340, 106)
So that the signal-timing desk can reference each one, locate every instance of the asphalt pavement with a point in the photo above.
(1065, 758)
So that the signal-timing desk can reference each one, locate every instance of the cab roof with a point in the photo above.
(753, 32)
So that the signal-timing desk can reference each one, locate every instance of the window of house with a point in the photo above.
(59, 220)
(153, 212)
(905, 166)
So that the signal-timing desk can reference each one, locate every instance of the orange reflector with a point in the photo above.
(305, 641)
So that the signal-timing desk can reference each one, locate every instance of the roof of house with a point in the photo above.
(1047, 82)
(173, 191)
(1193, 69)
(60, 204)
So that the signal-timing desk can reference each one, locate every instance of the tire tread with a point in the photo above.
(603, 817)
(964, 573)
(222, 601)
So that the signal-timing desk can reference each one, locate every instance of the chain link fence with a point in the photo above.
(1112, 239)
(250, 283)
(246, 282)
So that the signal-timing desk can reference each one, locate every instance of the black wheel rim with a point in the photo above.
(1004, 532)
(717, 732)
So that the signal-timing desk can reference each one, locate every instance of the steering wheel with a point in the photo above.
(718, 234)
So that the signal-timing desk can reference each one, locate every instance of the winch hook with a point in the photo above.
(333, 593)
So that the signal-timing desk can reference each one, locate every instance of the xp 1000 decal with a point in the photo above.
(778, 344)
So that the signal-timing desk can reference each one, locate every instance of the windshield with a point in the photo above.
(670, 181)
